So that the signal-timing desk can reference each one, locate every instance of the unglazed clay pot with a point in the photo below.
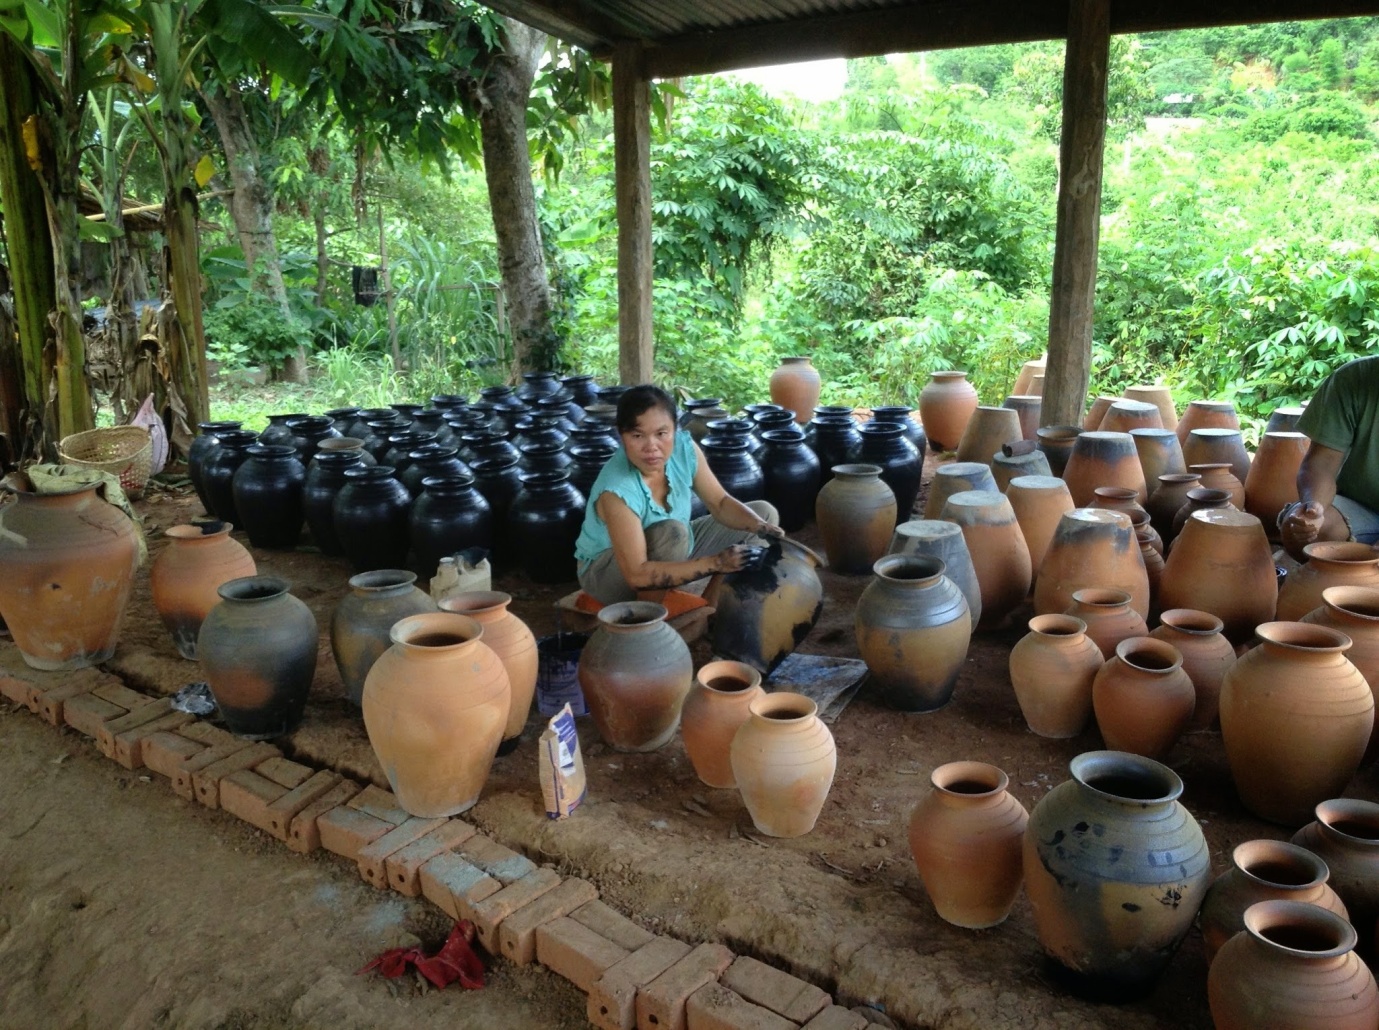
(1207, 446)
(942, 540)
(966, 837)
(1221, 563)
(1039, 503)
(1296, 717)
(783, 759)
(997, 547)
(1207, 415)
(1142, 698)
(1052, 669)
(635, 672)
(1056, 444)
(987, 430)
(1272, 482)
(1218, 476)
(510, 639)
(1263, 870)
(1101, 853)
(1028, 407)
(946, 405)
(67, 562)
(1345, 835)
(1004, 469)
(763, 613)
(1206, 657)
(1092, 547)
(1025, 378)
(1355, 612)
(1108, 617)
(1161, 398)
(1153, 561)
(856, 516)
(434, 706)
(187, 575)
(718, 703)
(1199, 498)
(795, 385)
(361, 624)
(1092, 420)
(1160, 454)
(913, 629)
(1294, 968)
(1103, 459)
(258, 651)
(954, 478)
(1125, 415)
(1346, 564)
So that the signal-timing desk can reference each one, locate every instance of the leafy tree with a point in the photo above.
(1331, 63)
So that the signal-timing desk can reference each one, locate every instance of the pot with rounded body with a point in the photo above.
(1199, 498)
(1103, 459)
(1005, 468)
(695, 404)
(1160, 454)
(1115, 870)
(1108, 616)
(718, 703)
(1206, 415)
(1222, 563)
(856, 516)
(900, 414)
(792, 477)
(258, 648)
(1091, 421)
(324, 481)
(277, 431)
(902, 464)
(1206, 657)
(1142, 698)
(207, 439)
(589, 459)
(1218, 476)
(766, 420)
(635, 672)
(268, 496)
(1263, 870)
(1218, 446)
(1028, 407)
(1329, 564)
(1296, 717)
(913, 629)
(942, 540)
(698, 425)
(500, 481)
(987, 431)
(783, 759)
(543, 524)
(1169, 495)
(582, 388)
(359, 426)
(435, 704)
(1293, 968)
(955, 477)
(795, 384)
(402, 445)
(308, 433)
(763, 613)
(997, 547)
(946, 405)
(835, 440)
(1056, 444)
(1117, 498)
(1124, 415)
(67, 563)
(1159, 396)
(1272, 482)
(1039, 503)
(1153, 560)
(1052, 669)
(1345, 835)
(737, 471)
(186, 577)
(966, 837)
(431, 460)
(377, 432)
(449, 516)
(1092, 547)
(1355, 612)
(361, 622)
(218, 472)
(512, 641)
(343, 445)
(370, 515)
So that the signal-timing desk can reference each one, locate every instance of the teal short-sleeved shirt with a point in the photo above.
(1344, 415)
(620, 476)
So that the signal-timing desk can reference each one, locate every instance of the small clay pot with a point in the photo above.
(1206, 657)
(1354, 611)
(187, 575)
(783, 759)
(1142, 698)
(718, 703)
(1345, 835)
(1218, 476)
(1052, 669)
(1109, 617)
(1168, 496)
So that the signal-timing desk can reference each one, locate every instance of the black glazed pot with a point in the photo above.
(344, 418)
(324, 481)
(731, 460)
(542, 427)
(432, 420)
(206, 441)
(900, 415)
(728, 429)
(612, 394)
(792, 475)
(537, 384)
(499, 480)
(218, 471)
(400, 448)
(449, 516)
(487, 445)
(501, 398)
(370, 515)
(268, 495)
(765, 421)
(307, 434)
(567, 414)
(582, 389)
(589, 459)
(902, 464)
(407, 411)
(359, 427)
(378, 431)
(277, 431)
(835, 440)
(687, 413)
(449, 402)
(430, 459)
(544, 457)
(544, 523)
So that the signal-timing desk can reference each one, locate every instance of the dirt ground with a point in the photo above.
(841, 906)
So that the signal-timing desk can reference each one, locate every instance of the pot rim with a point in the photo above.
(213, 427)
(378, 581)
(1263, 916)
(1209, 495)
(1341, 552)
(272, 451)
(969, 771)
(930, 568)
(1213, 432)
(253, 589)
(1191, 620)
(369, 473)
(795, 359)
(857, 470)
(1103, 516)
(800, 708)
(406, 629)
(1330, 812)
(1059, 432)
(1141, 432)
(1057, 625)
(1277, 852)
(1162, 784)
(209, 529)
(643, 613)
(1208, 465)
(1205, 405)
(1342, 597)
(1106, 598)
(949, 373)
(1303, 636)
(749, 676)
(1134, 646)
(1180, 477)
(475, 602)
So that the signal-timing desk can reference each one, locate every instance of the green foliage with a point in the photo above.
(252, 331)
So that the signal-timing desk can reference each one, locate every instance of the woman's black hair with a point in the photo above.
(638, 400)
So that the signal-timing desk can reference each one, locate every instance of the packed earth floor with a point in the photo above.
(123, 904)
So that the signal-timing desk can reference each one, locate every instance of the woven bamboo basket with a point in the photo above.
(126, 452)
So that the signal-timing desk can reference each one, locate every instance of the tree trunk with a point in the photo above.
(186, 348)
(318, 216)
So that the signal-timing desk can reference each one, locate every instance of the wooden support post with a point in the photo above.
(1079, 212)
(632, 179)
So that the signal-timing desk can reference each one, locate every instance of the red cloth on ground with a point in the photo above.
(456, 960)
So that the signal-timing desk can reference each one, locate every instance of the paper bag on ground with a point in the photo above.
(562, 766)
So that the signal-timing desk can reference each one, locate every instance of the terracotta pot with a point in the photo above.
(1092, 420)
(1117, 498)
(1125, 415)
(635, 672)
(1004, 469)
(1272, 482)
(1294, 968)
(954, 478)
(997, 547)
(1283, 420)
(1036, 385)
(1103, 459)
(1338, 564)
(1039, 502)
(1345, 835)
(1142, 698)
(508, 637)
(966, 836)
(1056, 444)
(1206, 657)
(1263, 870)
(1160, 454)
(1222, 563)
(783, 759)
(1145, 533)
(1207, 415)
(946, 405)
(1218, 446)
(434, 707)
(942, 540)
(187, 575)
(67, 562)
(362, 622)
(1052, 669)
(763, 613)
(856, 516)
(1027, 407)
(1161, 398)
(1199, 498)
(987, 430)
(1218, 476)
(913, 629)
(795, 385)
(1355, 612)
(1092, 547)
(258, 651)
(1025, 378)
(1169, 495)
(1146, 538)
(1108, 616)
(718, 703)
(1101, 853)
(1296, 717)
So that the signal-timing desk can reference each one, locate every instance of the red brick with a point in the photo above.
(503, 864)
(517, 935)
(285, 772)
(286, 808)
(165, 752)
(775, 989)
(87, 713)
(304, 833)
(381, 804)
(575, 952)
(661, 1003)
(346, 831)
(129, 743)
(403, 867)
(132, 719)
(183, 778)
(612, 925)
(455, 885)
(247, 795)
(47, 704)
(211, 736)
(835, 1017)
(613, 998)
(19, 691)
(373, 857)
(714, 1007)
(490, 913)
(206, 780)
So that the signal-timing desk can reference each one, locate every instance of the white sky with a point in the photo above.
(808, 80)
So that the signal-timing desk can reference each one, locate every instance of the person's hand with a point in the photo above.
(1302, 524)
(765, 529)
(732, 559)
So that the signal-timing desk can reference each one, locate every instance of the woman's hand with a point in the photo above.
(765, 528)
(732, 559)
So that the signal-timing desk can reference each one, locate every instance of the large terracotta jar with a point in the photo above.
(1024, 379)
(1092, 420)
(1294, 968)
(942, 540)
(1206, 657)
(1345, 835)
(635, 672)
(1296, 717)
(187, 575)
(795, 385)
(1092, 547)
(1056, 444)
(966, 837)
(953, 478)
(1160, 454)
(1207, 415)
(508, 637)
(718, 703)
(67, 562)
(1272, 481)
(763, 613)
(1159, 396)
(1263, 870)
(1102, 852)
(997, 547)
(913, 629)
(434, 707)
(1108, 616)
(783, 759)
(1218, 446)
(361, 624)
(1039, 503)
(1355, 612)
(1004, 467)
(856, 516)
(257, 649)
(1052, 669)
(1329, 564)
(1103, 459)
(1124, 415)
(1142, 698)
(946, 405)
(1218, 476)
(987, 430)
(1222, 563)
(1199, 498)
(1028, 407)
(1169, 495)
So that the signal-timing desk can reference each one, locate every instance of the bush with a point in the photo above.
(252, 331)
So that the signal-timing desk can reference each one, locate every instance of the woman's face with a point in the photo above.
(650, 442)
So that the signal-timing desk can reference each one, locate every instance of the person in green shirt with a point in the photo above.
(1338, 483)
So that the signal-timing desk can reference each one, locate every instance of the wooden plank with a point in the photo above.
(632, 175)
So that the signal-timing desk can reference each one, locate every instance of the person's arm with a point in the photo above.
(725, 508)
(1312, 517)
(629, 548)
